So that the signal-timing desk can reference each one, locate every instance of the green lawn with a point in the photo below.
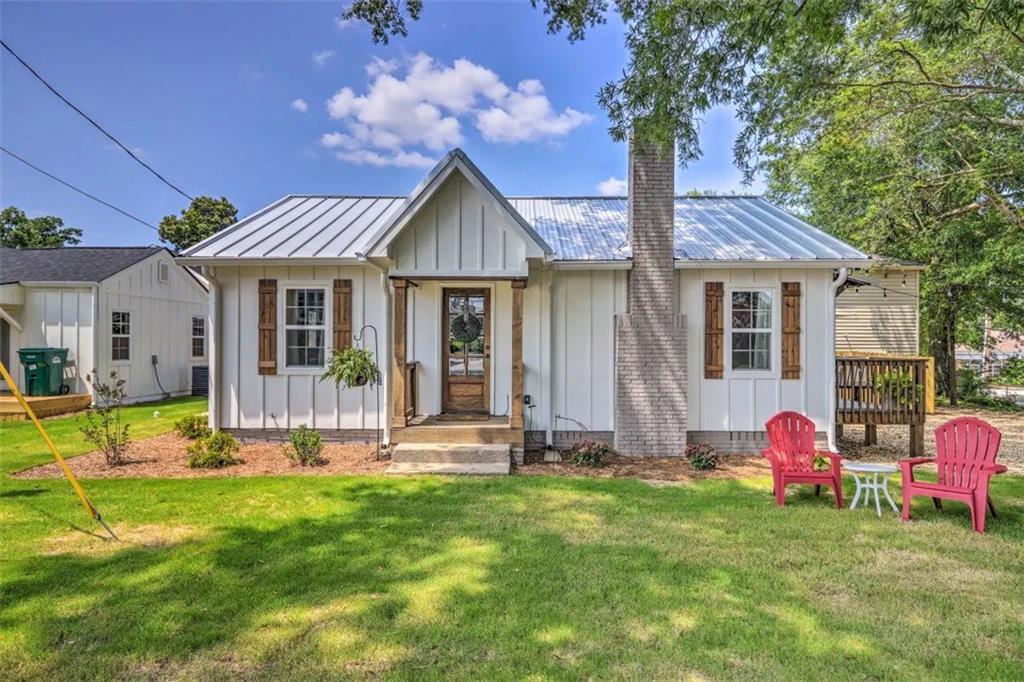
(518, 577)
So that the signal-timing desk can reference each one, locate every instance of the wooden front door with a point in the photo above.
(466, 334)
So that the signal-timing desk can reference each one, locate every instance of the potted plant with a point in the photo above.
(352, 367)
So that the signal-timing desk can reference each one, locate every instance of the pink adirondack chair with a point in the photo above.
(965, 450)
(791, 453)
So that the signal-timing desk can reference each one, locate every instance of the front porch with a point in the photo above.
(465, 383)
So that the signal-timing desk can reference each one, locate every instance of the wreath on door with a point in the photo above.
(467, 326)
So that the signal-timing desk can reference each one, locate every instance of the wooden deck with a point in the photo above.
(43, 406)
(882, 390)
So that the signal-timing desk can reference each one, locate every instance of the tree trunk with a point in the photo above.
(942, 344)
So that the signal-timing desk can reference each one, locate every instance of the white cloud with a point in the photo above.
(322, 57)
(420, 102)
(400, 158)
(300, 105)
(341, 23)
(526, 115)
(613, 187)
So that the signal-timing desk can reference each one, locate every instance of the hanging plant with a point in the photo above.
(352, 367)
(466, 327)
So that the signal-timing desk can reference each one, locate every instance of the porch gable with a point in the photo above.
(456, 224)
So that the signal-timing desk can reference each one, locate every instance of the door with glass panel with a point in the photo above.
(466, 331)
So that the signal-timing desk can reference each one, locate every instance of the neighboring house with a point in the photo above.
(877, 310)
(113, 308)
(646, 321)
(1001, 348)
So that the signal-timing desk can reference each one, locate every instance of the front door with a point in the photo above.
(466, 330)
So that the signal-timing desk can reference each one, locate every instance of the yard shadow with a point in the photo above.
(509, 578)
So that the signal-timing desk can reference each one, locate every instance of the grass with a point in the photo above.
(518, 577)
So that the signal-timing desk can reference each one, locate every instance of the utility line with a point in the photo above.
(80, 191)
(94, 123)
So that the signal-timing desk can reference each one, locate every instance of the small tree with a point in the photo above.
(18, 231)
(103, 426)
(204, 217)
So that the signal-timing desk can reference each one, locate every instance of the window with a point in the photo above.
(120, 336)
(198, 337)
(751, 331)
(304, 327)
(163, 272)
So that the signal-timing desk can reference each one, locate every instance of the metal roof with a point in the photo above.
(69, 263)
(727, 228)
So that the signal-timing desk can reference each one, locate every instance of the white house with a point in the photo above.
(132, 310)
(877, 311)
(647, 320)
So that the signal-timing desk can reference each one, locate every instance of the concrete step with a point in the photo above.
(458, 468)
(450, 453)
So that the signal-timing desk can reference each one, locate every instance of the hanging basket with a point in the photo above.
(466, 327)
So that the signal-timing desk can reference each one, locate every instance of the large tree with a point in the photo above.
(896, 124)
(18, 231)
(204, 217)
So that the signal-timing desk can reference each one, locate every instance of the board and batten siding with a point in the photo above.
(161, 325)
(60, 317)
(292, 396)
(743, 401)
(459, 231)
(872, 320)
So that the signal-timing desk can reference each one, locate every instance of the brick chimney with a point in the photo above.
(650, 338)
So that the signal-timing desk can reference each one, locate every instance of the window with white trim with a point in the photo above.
(750, 330)
(120, 336)
(305, 327)
(198, 337)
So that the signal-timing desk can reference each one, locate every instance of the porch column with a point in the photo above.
(398, 418)
(516, 415)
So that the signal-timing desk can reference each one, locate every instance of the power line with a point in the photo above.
(94, 123)
(80, 191)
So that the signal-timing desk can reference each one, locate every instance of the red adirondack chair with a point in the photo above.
(965, 450)
(791, 453)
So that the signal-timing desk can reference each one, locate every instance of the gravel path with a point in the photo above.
(894, 441)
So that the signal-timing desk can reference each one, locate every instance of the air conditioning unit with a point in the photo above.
(163, 272)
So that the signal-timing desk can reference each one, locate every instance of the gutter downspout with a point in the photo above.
(385, 288)
(213, 319)
(839, 281)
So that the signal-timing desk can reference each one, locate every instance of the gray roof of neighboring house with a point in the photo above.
(727, 228)
(69, 264)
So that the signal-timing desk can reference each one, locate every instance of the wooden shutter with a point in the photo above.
(714, 329)
(342, 314)
(268, 327)
(791, 330)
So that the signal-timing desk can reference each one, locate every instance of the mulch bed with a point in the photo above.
(165, 456)
(653, 468)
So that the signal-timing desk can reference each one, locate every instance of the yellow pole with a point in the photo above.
(75, 485)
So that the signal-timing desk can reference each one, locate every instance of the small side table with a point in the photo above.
(868, 483)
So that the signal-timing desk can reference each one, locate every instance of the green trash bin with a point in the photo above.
(44, 370)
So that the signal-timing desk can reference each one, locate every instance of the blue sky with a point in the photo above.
(253, 101)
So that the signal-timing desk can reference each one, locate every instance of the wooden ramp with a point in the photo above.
(43, 406)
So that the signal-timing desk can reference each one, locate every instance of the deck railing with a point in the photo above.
(883, 390)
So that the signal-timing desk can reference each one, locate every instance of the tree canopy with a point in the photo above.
(204, 217)
(18, 231)
(897, 125)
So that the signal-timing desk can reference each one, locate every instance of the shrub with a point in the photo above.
(897, 386)
(590, 453)
(192, 427)
(352, 367)
(213, 452)
(1012, 373)
(702, 456)
(305, 447)
(102, 426)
